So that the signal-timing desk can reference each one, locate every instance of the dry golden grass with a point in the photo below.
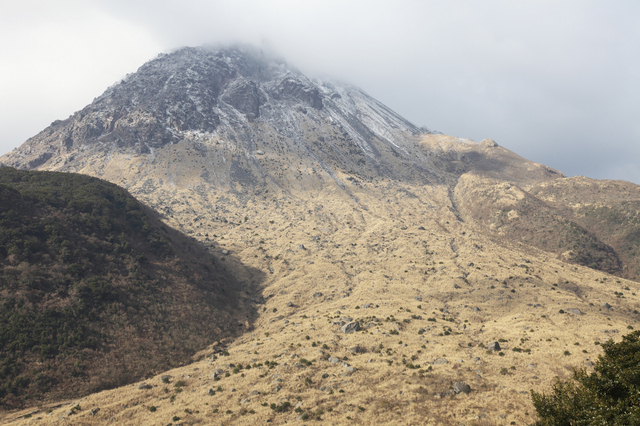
(373, 250)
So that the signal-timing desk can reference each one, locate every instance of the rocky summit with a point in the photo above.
(400, 276)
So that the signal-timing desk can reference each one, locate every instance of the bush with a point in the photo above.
(610, 395)
(281, 408)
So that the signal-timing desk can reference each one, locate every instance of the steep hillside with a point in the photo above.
(338, 211)
(95, 291)
(608, 209)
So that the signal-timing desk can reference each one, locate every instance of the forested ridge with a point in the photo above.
(90, 285)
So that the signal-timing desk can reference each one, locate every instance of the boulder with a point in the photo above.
(350, 327)
(494, 346)
(350, 371)
(461, 387)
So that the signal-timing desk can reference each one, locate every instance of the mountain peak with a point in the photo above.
(250, 100)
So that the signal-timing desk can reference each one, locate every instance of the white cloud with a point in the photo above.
(56, 57)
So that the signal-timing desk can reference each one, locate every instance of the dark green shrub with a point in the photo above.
(281, 408)
(610, 395)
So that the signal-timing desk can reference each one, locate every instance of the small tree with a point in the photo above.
(608, 396)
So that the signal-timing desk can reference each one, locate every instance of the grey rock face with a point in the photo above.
(440, 361)
(220, 102)
(245, 96)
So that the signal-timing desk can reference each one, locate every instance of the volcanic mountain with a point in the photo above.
(431, 245)
(240, 123)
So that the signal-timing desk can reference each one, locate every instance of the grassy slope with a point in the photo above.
(386, 254)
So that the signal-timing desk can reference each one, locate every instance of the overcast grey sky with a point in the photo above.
(555, 81)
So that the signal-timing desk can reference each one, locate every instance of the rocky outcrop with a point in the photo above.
(224, 105)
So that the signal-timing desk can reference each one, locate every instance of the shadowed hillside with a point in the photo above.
(96, 292)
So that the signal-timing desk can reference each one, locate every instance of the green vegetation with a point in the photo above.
(610, 395)
(86, 275)
(282, 407)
